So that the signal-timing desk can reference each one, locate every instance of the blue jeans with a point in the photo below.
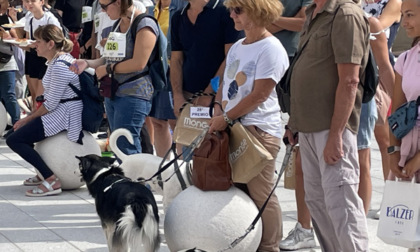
(129, 113)
(7, 94)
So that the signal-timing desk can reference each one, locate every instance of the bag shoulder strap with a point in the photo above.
(32, 30)
(133, 31)
(73, 87)
(135, 23)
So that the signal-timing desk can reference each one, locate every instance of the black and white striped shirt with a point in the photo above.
(61, 116)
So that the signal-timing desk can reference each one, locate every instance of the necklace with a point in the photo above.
(370, 1)
(56, 55)
(258, 39)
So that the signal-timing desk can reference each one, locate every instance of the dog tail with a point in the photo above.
(142, 236)
(113, 141)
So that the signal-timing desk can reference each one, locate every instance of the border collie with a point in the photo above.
(128, 210)
(144, 165)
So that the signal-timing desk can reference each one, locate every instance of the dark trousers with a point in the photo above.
(22, 142)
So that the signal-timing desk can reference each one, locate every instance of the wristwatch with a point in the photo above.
(392, 149)
(229, 121)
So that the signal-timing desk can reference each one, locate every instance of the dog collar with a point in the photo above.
(102, 171)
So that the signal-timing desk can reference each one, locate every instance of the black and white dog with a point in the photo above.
(128, 210)
(144, 165)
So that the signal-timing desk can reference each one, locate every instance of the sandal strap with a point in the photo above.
(48, 185)
(37, 190)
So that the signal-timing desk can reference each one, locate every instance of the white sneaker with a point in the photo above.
(377, 214)
(298, 238)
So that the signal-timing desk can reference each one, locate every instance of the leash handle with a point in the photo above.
(196, 95)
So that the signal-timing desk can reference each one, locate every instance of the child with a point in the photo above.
(34, 65)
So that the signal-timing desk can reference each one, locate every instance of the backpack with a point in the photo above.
(93, 108)
(371, 81)
(158, 66)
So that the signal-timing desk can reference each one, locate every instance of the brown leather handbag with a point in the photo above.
(211, 168)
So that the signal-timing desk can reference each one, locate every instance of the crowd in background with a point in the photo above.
(249, 45)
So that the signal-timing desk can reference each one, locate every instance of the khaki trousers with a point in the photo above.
(259, 189)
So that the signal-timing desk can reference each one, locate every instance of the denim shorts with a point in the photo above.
(163, 106)
(368, 117)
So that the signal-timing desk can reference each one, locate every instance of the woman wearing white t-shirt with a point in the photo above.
(254, 65)
(34, 65)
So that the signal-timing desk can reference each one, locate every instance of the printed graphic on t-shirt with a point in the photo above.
(239, 78)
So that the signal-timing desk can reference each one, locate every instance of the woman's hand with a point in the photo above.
(21, 122)
(412, 165)
(217, 123)
(395, 168)
(103, 42)
(4, 34)
(101, 71)
(78, 66)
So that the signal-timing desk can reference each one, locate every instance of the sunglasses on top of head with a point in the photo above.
(105, 6)
(236, 10)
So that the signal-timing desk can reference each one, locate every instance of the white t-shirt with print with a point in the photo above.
(264, 59)
(104, 27)
(47, 18)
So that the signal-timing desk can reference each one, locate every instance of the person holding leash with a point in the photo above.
(254, 65)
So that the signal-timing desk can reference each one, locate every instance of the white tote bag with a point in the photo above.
(399, 220)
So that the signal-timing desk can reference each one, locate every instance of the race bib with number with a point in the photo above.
(86, 14)
(115, 45)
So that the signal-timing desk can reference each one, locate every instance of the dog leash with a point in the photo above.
(189, 152)
(287, 156)
(176, 170)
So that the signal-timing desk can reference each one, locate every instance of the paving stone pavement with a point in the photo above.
(68, 222)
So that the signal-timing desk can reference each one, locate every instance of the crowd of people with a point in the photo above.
(250, 45)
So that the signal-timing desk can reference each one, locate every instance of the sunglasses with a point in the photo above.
(236, 10)
(105, 6)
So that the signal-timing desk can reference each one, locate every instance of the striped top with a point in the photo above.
(61, 116)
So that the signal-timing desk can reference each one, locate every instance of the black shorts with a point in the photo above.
(34, 65)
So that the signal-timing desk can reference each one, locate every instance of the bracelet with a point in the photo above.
(218, 103)
(229, 121)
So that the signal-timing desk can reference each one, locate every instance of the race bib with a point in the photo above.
(86, 14)
(115, 45)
